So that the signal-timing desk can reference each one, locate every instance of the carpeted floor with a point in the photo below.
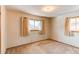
(44, 47)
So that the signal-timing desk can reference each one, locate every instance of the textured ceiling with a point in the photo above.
(36, 9)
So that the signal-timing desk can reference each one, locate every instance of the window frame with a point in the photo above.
(34, 25)
(69, 18)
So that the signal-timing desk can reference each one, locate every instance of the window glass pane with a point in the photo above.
(72, 28)
(72, 20)
(77, 22)
(72, 24)
(38, 25)
(31, 24)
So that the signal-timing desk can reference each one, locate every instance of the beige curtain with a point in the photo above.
(66, 26)
(43, 31)
(67, 32)
(24, 26)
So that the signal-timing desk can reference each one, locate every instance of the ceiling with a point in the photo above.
(36, 9)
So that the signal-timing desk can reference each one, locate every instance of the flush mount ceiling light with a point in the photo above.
(48, 8)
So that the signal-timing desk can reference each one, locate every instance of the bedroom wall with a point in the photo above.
(14, 38)
(0, 30)
(57, 32)
(3, 29)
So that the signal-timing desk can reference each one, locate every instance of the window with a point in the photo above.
(35, 25)
(74, 24)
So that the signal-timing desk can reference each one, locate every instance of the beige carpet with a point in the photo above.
(44, 47)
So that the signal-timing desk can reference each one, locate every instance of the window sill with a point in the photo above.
(34, 30)
(75, 31)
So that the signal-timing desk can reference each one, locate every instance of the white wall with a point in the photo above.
(0, 30)
(3, 29)
(58, 30)
(14, 38)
